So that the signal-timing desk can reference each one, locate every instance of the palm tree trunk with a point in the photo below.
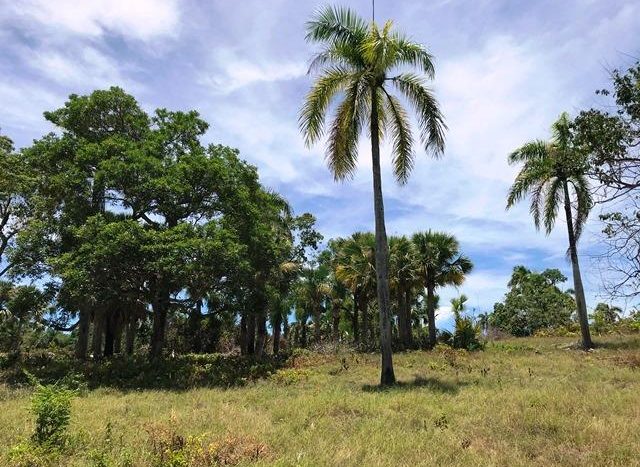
(317, 316)
(431, 315)
(387, 375)
(277, 327)
(335, 314)
(407, 311)
(577, 278)
(354, 318)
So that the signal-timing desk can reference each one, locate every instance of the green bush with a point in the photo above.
(465, 335)
(51, 404)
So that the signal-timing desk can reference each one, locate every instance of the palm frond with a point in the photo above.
(312, 115)
(335, 24)
(553, 201)
(533, 150)
(402, 139)
(430, 120)
(342, 148)
(584, 203)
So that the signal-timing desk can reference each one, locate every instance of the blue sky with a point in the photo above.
(504, 71)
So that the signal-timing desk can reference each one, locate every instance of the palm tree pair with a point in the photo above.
(554, 174)
(359, 64)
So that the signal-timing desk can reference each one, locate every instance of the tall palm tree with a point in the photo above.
(441, 264)
(358, 65)
(554, 173)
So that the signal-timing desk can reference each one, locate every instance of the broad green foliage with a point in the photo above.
(534, 302)
(610, 138)
(51, 405)
(139, 227)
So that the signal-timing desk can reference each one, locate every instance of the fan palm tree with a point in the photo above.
(403, 278)
(355, 268)
(554, 174)
(358, 65)
(441, 264)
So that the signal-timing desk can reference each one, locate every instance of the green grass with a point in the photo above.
(519, 402)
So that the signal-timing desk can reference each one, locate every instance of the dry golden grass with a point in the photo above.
(519, 402)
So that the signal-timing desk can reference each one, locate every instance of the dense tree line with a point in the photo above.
(135, 226)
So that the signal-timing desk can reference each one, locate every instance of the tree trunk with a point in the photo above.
(117, 341)
(387, 375)
(109, 334)
(261, 338)
(82, 344)
(132, 327)
(354, 318)
(194, 328)
(98, 333)
(577, 278)
(335, 314)
(317, 316)
(431, 315)
(303, 334)
(251, 334)
(160, 312)
(243, 334)
(364, 324)
(407, 311)
(402, 319)
(277, 328)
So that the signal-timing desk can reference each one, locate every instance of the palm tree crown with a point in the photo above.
(359, 63)
(549, 166)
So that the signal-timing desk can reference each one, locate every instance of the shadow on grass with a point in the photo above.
(419, 382)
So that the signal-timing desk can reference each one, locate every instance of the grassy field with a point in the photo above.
(519, 402)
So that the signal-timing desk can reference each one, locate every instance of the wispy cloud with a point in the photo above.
(139, 19)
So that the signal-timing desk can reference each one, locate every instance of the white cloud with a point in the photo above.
(229, 73)
(138, 19)
(85, 68)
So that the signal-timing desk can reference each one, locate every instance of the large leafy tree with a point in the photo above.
(359, 65)
(440, 263)
(611, 138)
(16, 184)
(534, 302)
(554, 175)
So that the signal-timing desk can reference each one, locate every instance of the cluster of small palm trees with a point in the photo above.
(338, 292)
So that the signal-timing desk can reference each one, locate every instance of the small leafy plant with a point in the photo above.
(51, 405)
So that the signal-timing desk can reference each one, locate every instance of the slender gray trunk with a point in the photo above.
(335, 314)
(407, 311)
(431, 315)
(404, 327)
(277, 327)
(577, 278)
(387, 375)
(354, 318)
